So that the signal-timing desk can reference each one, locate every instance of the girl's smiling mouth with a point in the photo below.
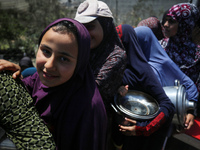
(48, 75)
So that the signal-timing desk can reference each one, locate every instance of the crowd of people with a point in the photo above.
(83, 63)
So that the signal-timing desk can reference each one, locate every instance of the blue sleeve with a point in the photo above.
(191, 89)
(28, 71)
(163, 66)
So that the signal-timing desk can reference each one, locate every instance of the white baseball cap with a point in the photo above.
(89, 10)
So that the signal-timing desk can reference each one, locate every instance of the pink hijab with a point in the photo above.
(180, 47)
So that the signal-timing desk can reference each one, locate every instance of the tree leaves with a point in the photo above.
(20, 29)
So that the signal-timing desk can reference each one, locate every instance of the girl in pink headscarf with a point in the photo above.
(179, 23)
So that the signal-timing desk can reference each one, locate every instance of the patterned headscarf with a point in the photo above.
(187, 15)
(180, 48)
(154, 24)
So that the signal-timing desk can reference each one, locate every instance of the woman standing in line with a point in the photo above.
(179, 24)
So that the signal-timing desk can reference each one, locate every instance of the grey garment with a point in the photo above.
(5, 142)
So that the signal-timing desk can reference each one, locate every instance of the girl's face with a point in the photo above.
(96, 33)
(56, 58)
(171, 27)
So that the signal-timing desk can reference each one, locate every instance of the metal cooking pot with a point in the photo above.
(138, 105)
(177, 95)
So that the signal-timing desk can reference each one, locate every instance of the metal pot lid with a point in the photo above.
(137, 105)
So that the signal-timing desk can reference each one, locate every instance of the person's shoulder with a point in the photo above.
(31, 79)
(28, 71)
(118, 52)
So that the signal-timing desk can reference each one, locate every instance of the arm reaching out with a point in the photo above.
(7, 65)
(147, 130)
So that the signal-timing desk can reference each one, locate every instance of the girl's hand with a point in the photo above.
(128, 130)
(189, 121)
(7, 65)
(123, 90)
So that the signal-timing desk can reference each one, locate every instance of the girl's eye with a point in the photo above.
(64, 59)
(171, 21)
(46, 52)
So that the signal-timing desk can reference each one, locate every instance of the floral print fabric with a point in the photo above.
(180, 47)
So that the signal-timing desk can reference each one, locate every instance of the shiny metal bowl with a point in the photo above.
(136, 105)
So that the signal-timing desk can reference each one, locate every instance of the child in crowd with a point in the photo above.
(140, 76)
(63, 88)
(179, 23)
(107, 55)
(92, 13)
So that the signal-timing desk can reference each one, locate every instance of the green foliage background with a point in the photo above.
(20, 30)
